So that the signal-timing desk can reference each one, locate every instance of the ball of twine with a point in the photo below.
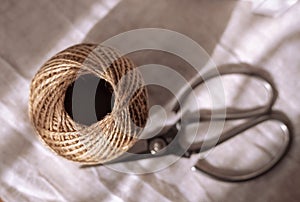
(106, 139)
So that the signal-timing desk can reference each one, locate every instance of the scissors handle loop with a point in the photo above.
(230, 175)
(227, 69)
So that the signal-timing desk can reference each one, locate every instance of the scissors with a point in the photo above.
(167, 141)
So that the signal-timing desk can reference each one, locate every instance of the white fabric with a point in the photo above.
(32, 31)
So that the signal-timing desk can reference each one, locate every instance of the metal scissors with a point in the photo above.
(167, 142)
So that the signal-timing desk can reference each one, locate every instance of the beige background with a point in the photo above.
(32, 31)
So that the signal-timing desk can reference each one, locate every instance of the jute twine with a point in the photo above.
(105, 139)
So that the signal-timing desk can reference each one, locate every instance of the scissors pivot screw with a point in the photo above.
(157, 145)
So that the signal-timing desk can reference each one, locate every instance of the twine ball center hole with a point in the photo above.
(89, 99)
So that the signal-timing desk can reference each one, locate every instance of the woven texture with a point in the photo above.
(105, 139)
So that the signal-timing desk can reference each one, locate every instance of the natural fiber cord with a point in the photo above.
(105, 139)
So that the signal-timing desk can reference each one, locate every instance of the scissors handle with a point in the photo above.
(229, 175)
(254, 116)
(227, 69)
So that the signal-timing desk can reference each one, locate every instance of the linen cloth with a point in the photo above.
(32, 31)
